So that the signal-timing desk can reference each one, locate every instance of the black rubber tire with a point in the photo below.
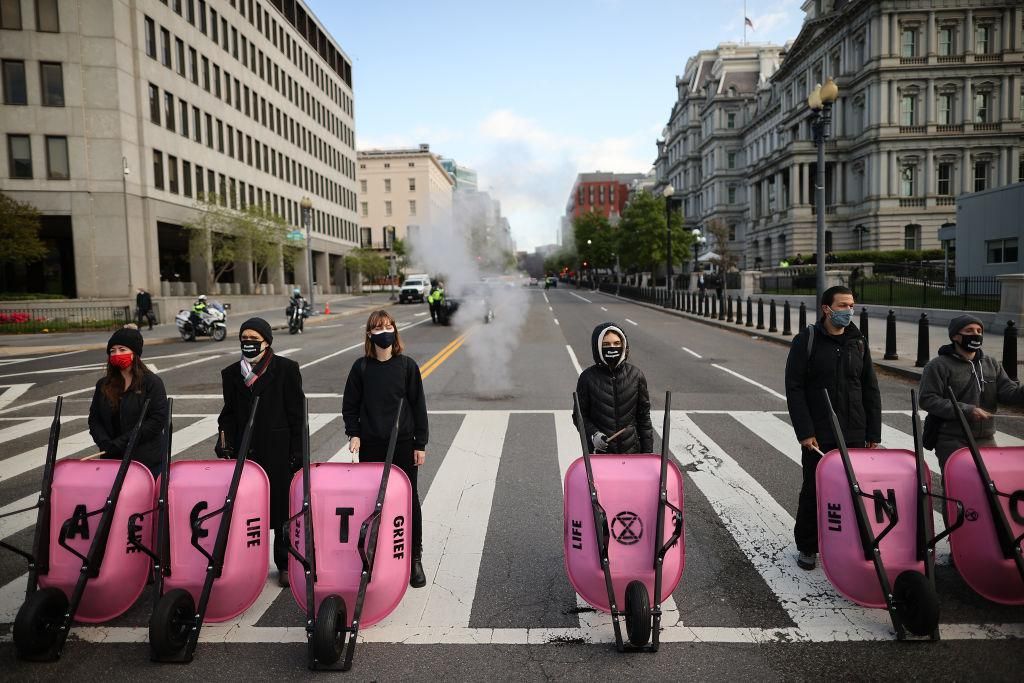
(219, 334)
(916, 602)
(329, 630)
(170, 624)
(36, 626)
(293, 329)
(187, 334)
(638, 614)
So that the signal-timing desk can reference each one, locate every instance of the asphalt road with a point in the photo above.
(498, 605)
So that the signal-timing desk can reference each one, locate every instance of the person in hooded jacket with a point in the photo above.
(118, 400)
(831, 355)
(614, 401)
(276, 443)
(979, 382)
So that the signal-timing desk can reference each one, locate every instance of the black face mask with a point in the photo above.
(383, 339)
(611, 355)
(970, 342)
(251, 349)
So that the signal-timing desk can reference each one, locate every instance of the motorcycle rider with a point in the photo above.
(195, 316)
(613, 396)
(297, 301)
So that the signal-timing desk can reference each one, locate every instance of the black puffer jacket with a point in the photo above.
(614, 398)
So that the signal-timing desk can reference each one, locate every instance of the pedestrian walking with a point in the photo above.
(832, 355)
(276, 443)
(375, 385)
(144, 307)
(979, 382)
(118, 400)
(613, 396)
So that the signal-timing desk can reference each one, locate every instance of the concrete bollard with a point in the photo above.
(787, 328)
(728, 306)
(923, 352)
(760, 314)
(772, 321)
(750, 312)
(890, 337)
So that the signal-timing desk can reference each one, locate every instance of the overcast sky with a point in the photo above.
(531, 93)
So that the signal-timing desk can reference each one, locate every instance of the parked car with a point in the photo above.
(534, 282)
(414, 289)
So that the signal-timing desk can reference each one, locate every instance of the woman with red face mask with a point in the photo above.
(118, 400)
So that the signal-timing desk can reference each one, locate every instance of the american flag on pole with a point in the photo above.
(748, 22)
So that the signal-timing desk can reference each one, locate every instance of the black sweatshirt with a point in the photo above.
(371, 399)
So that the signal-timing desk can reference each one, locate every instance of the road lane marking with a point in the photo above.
(441, 355)
(349, 348)
(13, 361)
(749, 381)
(546, 300)
(557, 323)
(581, 298)
(420, 314)
(13, 393)
(630, 322)
(575, 362)
(692, 353)
(604, 309)
(46, 400)
(31, 459)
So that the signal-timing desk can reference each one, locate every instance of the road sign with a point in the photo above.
(296, 235)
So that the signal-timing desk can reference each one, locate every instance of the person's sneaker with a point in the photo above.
(807, 561)
(417, 578)
(282, 578)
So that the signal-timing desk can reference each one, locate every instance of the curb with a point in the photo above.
(157, 341)
(887, 366)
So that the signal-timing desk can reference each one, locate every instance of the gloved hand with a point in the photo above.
(224, 452)
(600, 442)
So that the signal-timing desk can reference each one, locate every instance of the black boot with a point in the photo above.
(417, 579)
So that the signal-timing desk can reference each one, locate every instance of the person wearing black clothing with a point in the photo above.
(375, 384)
(831, 355)
(614, 401)
(276, 443)
(118, 400)
(144, 307)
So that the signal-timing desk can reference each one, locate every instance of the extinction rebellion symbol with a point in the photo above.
(627, 528)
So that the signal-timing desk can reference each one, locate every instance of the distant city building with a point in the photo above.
(465, 177)
(605, 193)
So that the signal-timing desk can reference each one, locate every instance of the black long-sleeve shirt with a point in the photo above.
(372, 392)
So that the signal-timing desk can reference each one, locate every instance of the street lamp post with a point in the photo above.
(590, 266)
(668, 192)
(820, 101)
(307, 208)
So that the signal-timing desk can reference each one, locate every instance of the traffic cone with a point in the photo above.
(327, 308)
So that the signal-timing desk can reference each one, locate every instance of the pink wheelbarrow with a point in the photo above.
(990, 484)
(860, 551)
(207, 572)
(90, 575)
(370, 572)
(621, 560)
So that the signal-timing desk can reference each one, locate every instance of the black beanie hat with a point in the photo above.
(126, 336)
(961, 321)
(258, 325)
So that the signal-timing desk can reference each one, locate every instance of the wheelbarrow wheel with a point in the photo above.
(38, 622)
(638, 614)
(329, 630)
(171, 623)
(917, 604)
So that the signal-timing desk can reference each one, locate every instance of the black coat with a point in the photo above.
(111, 431)
(144, 302)
(614, 398)
(276, 443)
(842, 365)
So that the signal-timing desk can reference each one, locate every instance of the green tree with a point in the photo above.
(641, 237)
(19, 232)
(368, 263)
(403, 254)
(718, 231)
(566, 258)
(596, 240)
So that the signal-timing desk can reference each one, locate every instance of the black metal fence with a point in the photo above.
(960, 294)
(28, 319)
(798, 281)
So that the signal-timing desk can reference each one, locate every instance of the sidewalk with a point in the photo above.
(906, 334)
(341, 305)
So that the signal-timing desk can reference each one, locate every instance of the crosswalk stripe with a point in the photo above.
(31, 459)
(772, 429)
(31, 426)
(14, 391)
(455, 515)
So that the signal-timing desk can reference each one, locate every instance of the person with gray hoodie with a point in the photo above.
(979, 382)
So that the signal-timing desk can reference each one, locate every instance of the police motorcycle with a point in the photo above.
(212, 322)
(298, 310)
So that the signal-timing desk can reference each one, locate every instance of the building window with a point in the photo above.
(202, 15)
(981, 107)
(982, 39)
(908, 43)
(196, 125)
(412, 207)
(193, 64)
(51, 83)
(220, 136)
(387, 208)
(364, 209)
(183, 115)
(158, 169)
(150, 38)
(10, 14)
(387, 184)
(731, 159)
(412, 184)
(912, 237)
(15, 90)
(980, 176)
(186, 178)
(907, 174)
(154, 104)
(47, 17)
(19, 156)
(165, 47)
(946, 41)
(945, 186)
(1001, 251)
(57, 158)
(169, 111)
(172, 173)
(730, 120)
(362, 185)
(907, 106)
(206, 74)
(947, 107)
(732, 194)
